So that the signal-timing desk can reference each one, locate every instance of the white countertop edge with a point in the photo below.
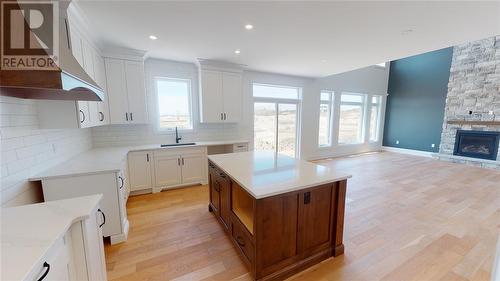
(345, 177)
(95, 198)
(106, 171)
(126, 149)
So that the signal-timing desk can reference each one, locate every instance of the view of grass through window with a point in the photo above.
(174, 103)
(351, 118)
(276, 118)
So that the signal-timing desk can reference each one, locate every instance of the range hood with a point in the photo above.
(68, 81)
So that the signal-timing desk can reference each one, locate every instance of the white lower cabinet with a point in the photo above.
(167, 170)
(193, 166)
(179, 166)
(78, 255)
(112, 185)
(140, 171)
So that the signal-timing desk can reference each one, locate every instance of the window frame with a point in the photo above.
(331, 106)
(379, 117)
(277, 102)
(160, 130)
(364, 123)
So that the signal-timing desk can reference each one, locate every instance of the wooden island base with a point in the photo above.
(280, 235)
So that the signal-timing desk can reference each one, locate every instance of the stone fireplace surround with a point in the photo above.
(473, 95)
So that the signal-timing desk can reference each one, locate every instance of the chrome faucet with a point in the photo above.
(177, 138)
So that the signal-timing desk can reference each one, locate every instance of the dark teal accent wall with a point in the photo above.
(417, 96)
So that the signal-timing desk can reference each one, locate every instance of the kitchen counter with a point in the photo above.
(109, 159)
(29, 231)
(264, 174)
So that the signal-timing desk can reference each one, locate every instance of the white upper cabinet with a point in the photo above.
(220, 96)
(211, 106)
(231, 92)
(126, 91)
(136, 91)
(100, 78)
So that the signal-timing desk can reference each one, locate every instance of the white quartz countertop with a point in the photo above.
(109, 159)
(29, 231)
(264, 174)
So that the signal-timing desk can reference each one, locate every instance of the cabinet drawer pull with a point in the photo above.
(83, 116)
(126, 116)
(102, 116)
(131, 117)
(122, 182)
(45, 265)
(307, 197)
(240, 241)
(103, 217)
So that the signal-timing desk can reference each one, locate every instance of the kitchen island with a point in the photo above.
(282, 214)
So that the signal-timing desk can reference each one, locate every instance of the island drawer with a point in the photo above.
(243, 240)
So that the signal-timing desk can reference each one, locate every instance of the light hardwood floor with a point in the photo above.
(407, 218)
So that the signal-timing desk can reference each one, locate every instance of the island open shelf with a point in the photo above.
(243, 206)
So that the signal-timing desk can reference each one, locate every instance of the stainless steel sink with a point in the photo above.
(178, 144)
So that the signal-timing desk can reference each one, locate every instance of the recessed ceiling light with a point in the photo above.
(237, 51)
(406, 31)
(152, 37)
(248, 26)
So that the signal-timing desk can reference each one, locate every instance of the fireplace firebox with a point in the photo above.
(477, 144)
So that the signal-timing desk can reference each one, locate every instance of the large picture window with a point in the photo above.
(325, 119)
(276, 118)
(351, 118)
(174, 103)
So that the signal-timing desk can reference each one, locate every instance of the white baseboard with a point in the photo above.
(408, 151)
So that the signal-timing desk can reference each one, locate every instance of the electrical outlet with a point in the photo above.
(433, 145)
(397, 142)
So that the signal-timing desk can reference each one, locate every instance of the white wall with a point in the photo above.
(368, 80)
(26, 150)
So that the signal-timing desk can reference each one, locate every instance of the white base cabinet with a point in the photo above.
(113, 188)
(140, 171)
(179, 167)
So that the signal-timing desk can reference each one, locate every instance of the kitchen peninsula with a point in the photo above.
(282, 214)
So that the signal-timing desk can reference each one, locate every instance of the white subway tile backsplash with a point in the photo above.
(27, 150)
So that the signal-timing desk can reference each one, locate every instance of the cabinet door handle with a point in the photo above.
(83, 116)
(103, 217)
(225, 116)
(240, 241)
(178, 161)
(307, 197)
(147, 157)
(131, 117)
(221, 116)
(45, 265)
(122, 181)
(182, 159)
(102, 116)
(126, 116)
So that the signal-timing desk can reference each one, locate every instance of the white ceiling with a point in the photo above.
(299, 38)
